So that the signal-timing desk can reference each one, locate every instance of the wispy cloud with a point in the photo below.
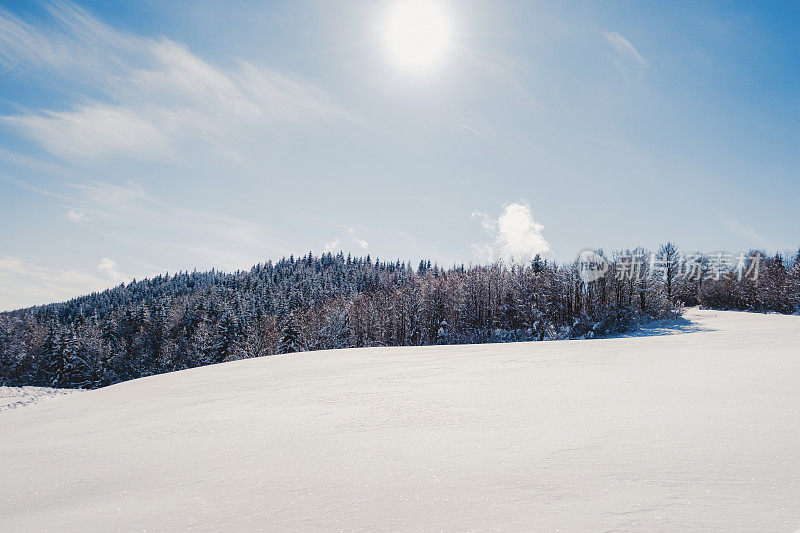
(516, 235)
(487, 222)
(331, 246)
(336, 244)
(360, 242)
(21, 160)
(132, 202)
(76, 215)
(25, 282)
(749, 234)
(109, 268)
(624, 48)
(95, 131)
(233, 240)
(158, 94)
(214, 240)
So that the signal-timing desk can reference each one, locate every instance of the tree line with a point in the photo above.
(174, 322)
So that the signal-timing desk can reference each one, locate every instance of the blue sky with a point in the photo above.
(143, 137)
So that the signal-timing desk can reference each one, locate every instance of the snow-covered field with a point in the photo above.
(13, 397)
(695, 430)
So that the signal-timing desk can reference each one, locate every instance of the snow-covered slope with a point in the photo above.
(697, 430)
(14, 397)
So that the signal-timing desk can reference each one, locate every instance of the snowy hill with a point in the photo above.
(15, 397)
(697, 429)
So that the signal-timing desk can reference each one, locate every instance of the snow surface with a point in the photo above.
(697, 430)
(14, 397)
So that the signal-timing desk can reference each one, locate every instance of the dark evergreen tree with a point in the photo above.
(66, 366)
(226, 338)
(290, 338)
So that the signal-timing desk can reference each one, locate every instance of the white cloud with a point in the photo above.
(109, 268)
(75, 215)
(488, 223)
(158, 94)
(331, 246)
(516, 235)
(624, 47)
(335, 244)
(360, 242)
(95, 131)
(26, 283)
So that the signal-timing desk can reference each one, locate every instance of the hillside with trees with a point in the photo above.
(174, 322)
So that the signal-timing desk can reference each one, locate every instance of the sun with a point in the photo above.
(417, 34)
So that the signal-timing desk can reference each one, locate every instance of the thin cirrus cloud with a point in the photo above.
(131, 205)
(749, 234)
(516, 235)
(624, 48)
(226, 242)
(131, 202)
(159, 97)
(94, 131)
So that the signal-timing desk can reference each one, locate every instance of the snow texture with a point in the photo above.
(697, 430)
(14, 397)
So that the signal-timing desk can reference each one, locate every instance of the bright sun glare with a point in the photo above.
(417, 34)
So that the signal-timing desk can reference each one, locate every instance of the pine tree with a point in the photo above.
(67, 367)
(226, 338)
(108, 334)
(49, 354)
(773, 286)
(109, 351)
(290, 341)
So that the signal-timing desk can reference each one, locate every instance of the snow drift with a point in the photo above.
(695, 430)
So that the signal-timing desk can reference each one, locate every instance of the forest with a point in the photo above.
(189, 319)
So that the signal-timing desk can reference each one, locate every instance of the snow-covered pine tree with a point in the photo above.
(290, 336)
(226, 338)
(109, 352)
(67, 367)
(772, 286)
